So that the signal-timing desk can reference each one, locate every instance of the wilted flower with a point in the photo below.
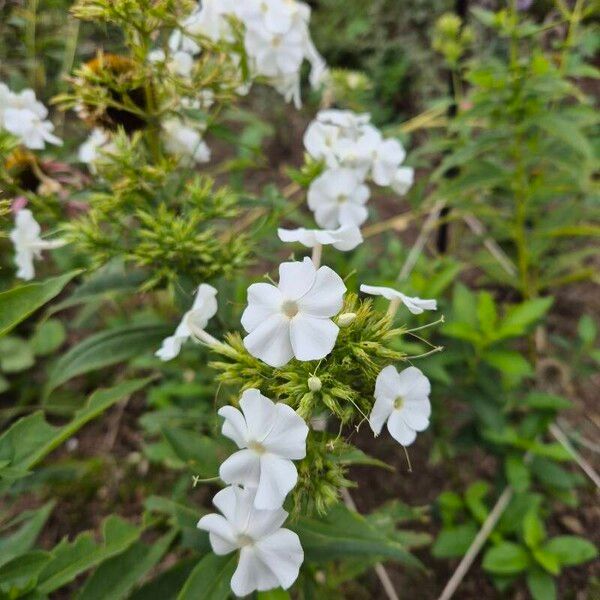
(203, 309)
(270, 436)
(270, 556)
(28, 243)
(294, 317)
(414, 304)
(344, 238)
(338, 197)
(185, 141)
(401, 400)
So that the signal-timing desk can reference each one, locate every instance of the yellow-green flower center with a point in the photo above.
(289, 308)
(398, 402)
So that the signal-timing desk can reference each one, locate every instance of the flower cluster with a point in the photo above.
(276, 40)
(352, 151)
(25, 117)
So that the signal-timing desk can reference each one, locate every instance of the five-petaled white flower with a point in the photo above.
(401, 400)
(294, 317)
(203, 309)
(32, 130)
(270, 436)
(414, 304)
(28, 244)
(344, 238)
(338, 197)
(270, 556)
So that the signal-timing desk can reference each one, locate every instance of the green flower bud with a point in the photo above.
(314, 384)
(346, 318)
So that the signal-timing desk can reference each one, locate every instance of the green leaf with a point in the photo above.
(104, 349)
(48, 337)
(210, 580)
(345, 534)
(474, 499)
(116, 577)
(571, 550)
(564, 129)
(587, 330)
(23, 539)
(21, 573)
(15, 354)
(73, 558)
(533, 529)
(453, 542)
(32, 438)
(486, 312)
(517, 472)
(278, 594)
(543, 401)
(199, 452)
(17, 304)
(167, 584)
(541, 585)
(506, 558)
(546, 560)
(518, 318)
(464, 307)
(509, 362)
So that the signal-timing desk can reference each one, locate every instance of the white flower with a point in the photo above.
(270, 436)
(28, 244)
(90, 151)
(26, 100)
(203, 309)
(401, 400)
(344, 238)
(275, 54)
(387, 158)
(356, 152)
(403, 180)
(294, 317)
(184, 141)
(338, 197)
(180, 62)
(32, 130)
(347, 120)
(270, 556)
(319, 141)
(414, 304)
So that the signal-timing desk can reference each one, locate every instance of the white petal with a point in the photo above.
(326, 297)
(386, 292)
(399, 430)
(270, 341)
(264, 300)
(260, 414)
(382, 409)
(351, 213)
(252, 574)
(403, 180)
(233, 504)
(287, 436)
(347, 238)
(221, 534)
(265, 522)
(283, 554)
(278, 476)
(417, 305)
(387, 384)
(415, 418)
(305, 236)
(241, 468)
(170, 348)
(312, 338)
(413, 385)
(234, 426)
(296, 278)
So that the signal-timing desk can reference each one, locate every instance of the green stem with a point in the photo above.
(30, 35)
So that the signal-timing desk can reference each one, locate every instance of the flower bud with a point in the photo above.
(345, 319)
(314, 384)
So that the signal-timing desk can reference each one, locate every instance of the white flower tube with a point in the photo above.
(270, 556)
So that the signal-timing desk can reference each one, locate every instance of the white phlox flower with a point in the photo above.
(293, 318)
(28, 244)
(388, 155)
(25, 117)
(403, 180)
(270, 436)
(344, 238)
(337, 197)
(185, 141)
(203, 309)
(414, 304)
(401, 401)
(92, 150)
(270, 556)
(180, 62)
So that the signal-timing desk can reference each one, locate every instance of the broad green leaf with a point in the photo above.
(23, 539)
(73, 558)
(517, 472)
(48, 337)
(543, 401)
(453, 542)
(541, 585)
(32, 438)
(21, 573)
(345, 534)
(508, 362)
(534, 532)
(506, 558)
(211, 578)
(116, 577)
(104, 349)
(15, 354)
(166, 585)
(571, 550)
(548, 561)
(520, 317)
(17, 304)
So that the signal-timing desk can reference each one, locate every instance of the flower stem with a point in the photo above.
(316, 255)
